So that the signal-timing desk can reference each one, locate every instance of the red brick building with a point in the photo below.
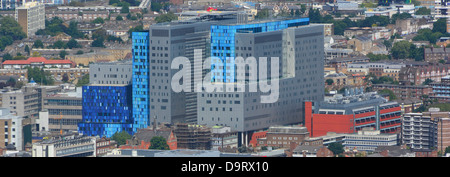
(351, 114)
(142, 138)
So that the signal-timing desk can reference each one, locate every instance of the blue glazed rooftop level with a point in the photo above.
(223, 43)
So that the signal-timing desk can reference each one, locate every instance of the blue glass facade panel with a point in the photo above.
(106, 110)
(141, 78)
(223, 44)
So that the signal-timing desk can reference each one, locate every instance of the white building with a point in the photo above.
(11, 133)
(368, 140)
(72, 145)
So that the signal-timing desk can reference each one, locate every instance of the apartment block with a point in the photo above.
(427, 130)
(31, 17)
(11, 131)
(405, 91)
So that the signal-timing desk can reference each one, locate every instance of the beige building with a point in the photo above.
(10, 129)
(64, 111)
(362, 44)
(31, 17)
(101, 55)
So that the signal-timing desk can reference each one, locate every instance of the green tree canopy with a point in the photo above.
(440, 26)
(423, 11)
(389, 92)
(98, 20)
(39, 75)
(329, 81)
(83, 80)
(159, 142)
(336, 148)
(121, 137)
(72, 43)
(38, 44)
(166, 17)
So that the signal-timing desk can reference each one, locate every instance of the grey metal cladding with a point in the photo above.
(160, 33)
(268, 38)
(308, 35)
(181, 31)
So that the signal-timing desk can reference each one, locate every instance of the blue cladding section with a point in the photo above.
(106, 110)
(223, 44)
(141, 78)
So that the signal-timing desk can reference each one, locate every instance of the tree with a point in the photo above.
(27, 49)
(336, 148)
(7, 56)
(447, 150)
(400, 50)
(59, 44)
(329, 81)
(83, 81)
(427, 81)
(440, 26)
(423, 11)
(98, 20)
(38, 44)
(137, 28)
(10, 31)
(121, 137)
(119, 18)
(72, 43)
(389, 92)
(39, 75)
(65, 78)
(98, 42)
(263, 13)
(159, 142)
(63, 54)
(72, 30)
(166, 17)
(125, 7)
(79, 52)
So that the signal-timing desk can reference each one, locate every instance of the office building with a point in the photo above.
(68, 145)
(166, 42)
(351, 113)
(12, 130)
(298, 46)
(117, 72)
(141, 80)
(106, 110)
(31, 17)
(64, 111)
(107, 100)
(369, 139)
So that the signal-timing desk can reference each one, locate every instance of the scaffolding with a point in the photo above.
(193, 136)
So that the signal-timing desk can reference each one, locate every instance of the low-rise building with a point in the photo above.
(369, 139)
(40, 62)
(223, 139)
(405, 91)
(69, 145)
(441, 90)
(282, 136)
